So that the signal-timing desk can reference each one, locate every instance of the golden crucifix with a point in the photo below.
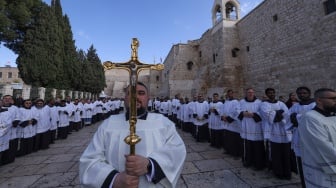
(133, 66)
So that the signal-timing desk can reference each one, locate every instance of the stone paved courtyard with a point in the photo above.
(204, 167)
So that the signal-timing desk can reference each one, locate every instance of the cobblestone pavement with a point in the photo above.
(204, 167)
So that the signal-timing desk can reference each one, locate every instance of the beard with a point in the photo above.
(140, 111)
(330, 109)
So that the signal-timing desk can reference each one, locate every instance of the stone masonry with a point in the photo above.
(280, 44)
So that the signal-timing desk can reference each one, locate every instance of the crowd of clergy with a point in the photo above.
(35, 124)
(261, 132)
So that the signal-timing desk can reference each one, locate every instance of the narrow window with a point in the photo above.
(234, 52)
(10, 74)
(190, 65)
(329, 6)
(275, 17)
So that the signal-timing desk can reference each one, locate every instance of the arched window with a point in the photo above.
(218, 13)
(230, 11)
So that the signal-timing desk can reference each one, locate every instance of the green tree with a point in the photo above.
(97, 81)
(36, 57)
(71, 63)
(84, 67)
(16, 17)
(4, 20)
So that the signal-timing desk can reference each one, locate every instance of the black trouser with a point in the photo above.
(299, 163)
(254, 154)
(1, 157)
(76, 125)
(52, 136)
(8, 156)
(280, 153)
(216, 138)
(26, 146)
(201, 132)
(62, 132)
(234, 143)
(41, 141)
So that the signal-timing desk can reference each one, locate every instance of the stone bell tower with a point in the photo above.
(221, 44)
(225, 10)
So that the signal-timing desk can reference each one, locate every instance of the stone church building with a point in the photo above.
(281, 44)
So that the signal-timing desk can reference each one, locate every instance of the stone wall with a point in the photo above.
(176, 76)
(118, 79)
(280, 44)
(291, 43)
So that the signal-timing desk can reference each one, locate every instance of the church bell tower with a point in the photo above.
(225, 10)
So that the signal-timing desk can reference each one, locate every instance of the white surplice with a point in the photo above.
(159, 141)
(299, 109)
(318, 149)
(251, 130)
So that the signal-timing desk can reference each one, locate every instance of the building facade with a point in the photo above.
(280, 44)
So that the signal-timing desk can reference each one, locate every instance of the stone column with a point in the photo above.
(75, 94)
(63, 94)
(81, 94)
(41, 92)
(70, 94)
(54, 93)
(26, 92)
(7, 90)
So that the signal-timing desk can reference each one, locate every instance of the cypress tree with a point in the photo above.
(62, 78)
(35, 61)
(98, 77)
(16, 17)
(70, 60)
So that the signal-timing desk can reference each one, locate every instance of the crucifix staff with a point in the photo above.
(133, 66)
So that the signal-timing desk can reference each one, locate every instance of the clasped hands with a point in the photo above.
(248, 114)
(135, 167)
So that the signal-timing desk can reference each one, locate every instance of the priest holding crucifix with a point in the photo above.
(158, 158)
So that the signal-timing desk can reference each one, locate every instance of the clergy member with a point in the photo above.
(251, 131)
(159, 157)
(317, 130)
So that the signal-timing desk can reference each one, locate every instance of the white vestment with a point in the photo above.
(87, 110)
(14, 115)
(27, 115)
(159, 141)
(318, 149)
(231, 108)
(299, 109)
(215, 121)
(251, 130)
(43, 122)
(64, 115)
(201, 109)
(54, 117)
(275, 131)
(5, 128)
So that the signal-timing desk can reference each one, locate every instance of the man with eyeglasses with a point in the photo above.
(317, 130)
